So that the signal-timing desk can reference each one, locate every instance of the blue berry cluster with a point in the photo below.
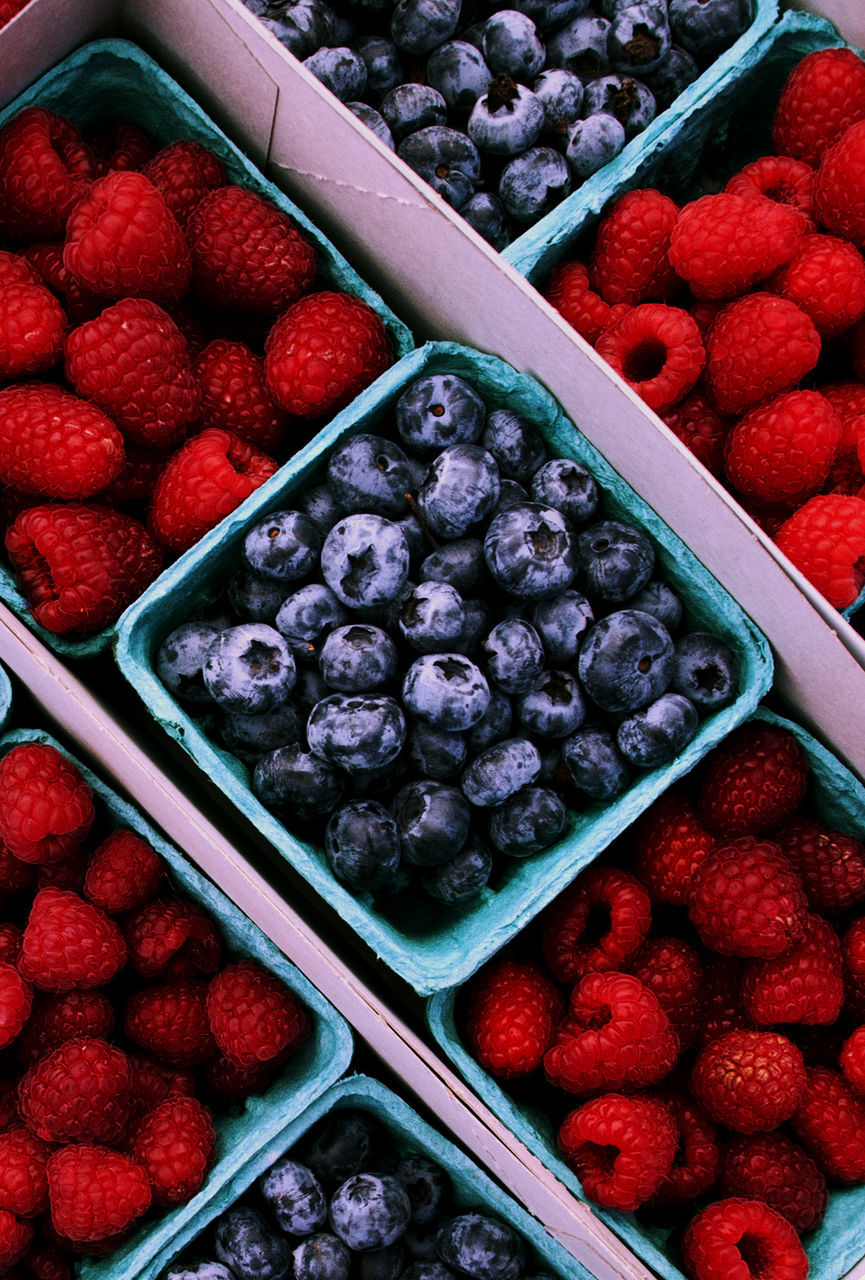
(443, 646)
(504, 109)
(348, 1205)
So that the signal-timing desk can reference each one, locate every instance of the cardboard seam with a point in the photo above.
(327, 179)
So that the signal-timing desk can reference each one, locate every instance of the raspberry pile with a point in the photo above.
(505, 108)
(739, 317)
(166, 340)
(693, 1007)
(429, 656)
(126, 1025)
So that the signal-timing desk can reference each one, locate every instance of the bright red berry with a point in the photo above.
(174, 1145)
(15, 1237)
(755, 779)
(571, 942)
(697, 1159)
(826, 279)
(852, 1060)
(46, 804)
(696, 422)
(722, 245)
(78, 303)
(54, 444)
(95, 1193)
(759, 346)
(656, 348)
(779, 178)
(830, 863)
(620, 1147)
(823, 95)
(16, 1000)
(773, 1168)
(32, 322)
(830, 1122)
(172, 937)
(805, 984)
(726, 1239)
(671, 968)
(23, 1185)
(234, 394)
(56, 1018)
(169, 1020)
(825, 540)
(569, 291)
(746, 899)
(184, 171)
(782, 450)
(69, 943)
(79, 1092)
(124, 872)
(839, 186)
(670, 843)
(750, 1081)
(512, 1009)
(629, 259)
(45, 169)
(253, 1015)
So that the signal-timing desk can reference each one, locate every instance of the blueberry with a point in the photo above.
(447, 690)
(358, 658)
(554, 707)
(294, 1196)
(361, 844)
(500, 771)
(461, 488)
(356, 730)
(462, 877)
(382, 1264)
(437, 410)
(593, 142)
(616, 560)
(511, 45)
(659, 599)
(245, 1243)
(284, 545)
(254, 598)
(307, 617)
(485, 212)
(457, 69)
(341, 70)
(446, 158)
(549, 15)
(626, 660)
(368, 473)
(383, 63)
(341, 1146)
(301, 25)
(517, 446)
(639, 37)
(580, 46)
(706, 671)
(481, 1247)
(321, 1257)
(415, 536)
(476, 624)
(657, 733)
(409, 107)
(511, 494)
(528, 822)
(294, 779)
(532, 184)
(493, 725)
(249, 737)
(705, 28)
(320, 505)
(365, 560)
(514, 655)
(561, 623)
(419, 26)
(531, 551)
(561, 94)
(460, 563)
(180, 661)
(429, 1270)
(507, 119)
(309, 690)
(427, 1186)
(569, 487)
(594, 763)
(433, 822)
(249, 668)
(624, 97)
(432, 617)
(435, 753)
(671, 77)
(369, 1211)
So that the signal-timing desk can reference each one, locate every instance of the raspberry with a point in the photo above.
(174, 1144)
(122, 145)
(757, 777)
(153, 1081)
(759, 346)
(805, 984)
(615, 1033)
(16, 999)
(234, 395)
(8, 1103)
(54, 444)
(122, 240)
(10, 941)
(671, 969)
(123, 873)
(253, 1015)
(853, 952)
(169, 1020)
(830, 1122)
(32, 321)
(172, 937)
(826, 279)
(658, 350)
(206, 479)
(696, 422)
(56, 1018)
(78, 303)
(852, 1060)
(823, 95)
(512, 1009)
(69, 943)
(831, 864)
(782, 450)
(629, 260)
(80, 565)
(14, 874)
(750, 1081)
(736, 1238)
(46, 805)
(773, 1168)
(226, 1082)
(247, 253)
(697, 1159)
(184, 172)
(746, 900)
(79, 1092)
(779, 178)
(15, 1238)
(322, 352)
(45, 168)
(569, 291)
(621, 1148)
(839, 186)
(597, 924)
(95, 1192)
(670, 843)
(133, 362)
(724, 244)
(23, 1185)
(825, 540)
(47, 1261)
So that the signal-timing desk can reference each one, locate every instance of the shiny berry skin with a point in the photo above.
(170, 1021)
(757, 777)
(16, 1000)
(658, 350)
(362, 845)
(234, 395)
(95, 1193)
(781, 451)
(626, 660)
(184, 171)
(750, 1081)
(569, 291)
(696, 1162)
(721, 1238)
(438, 410)
(54, 444)
(530, 551)
(805, 984)
(510, 1015)
(759, 346)
(773, 1168)
(746, 899)
(123, 872)
(830, 1124)
(825, 540)
(46, 168)
(254, 1016)
(629, 258)
(724, 244)
(79, 1092)
(47, 804)
(69, 943)
(620, 1147)
(826, 279)
(571, 948)
(530, 820)
(369, 1211)
(174, 1144)
(23, 1185)
(823, 95)
(32, 322)
(480, 1246)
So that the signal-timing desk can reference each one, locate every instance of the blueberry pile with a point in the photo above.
(505, 109)
(443, 646)
(348, 1204)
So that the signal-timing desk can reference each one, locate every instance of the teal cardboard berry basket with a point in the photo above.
(421, 941)
(837, 798)
(240, 1132)
(5, 697)
(107, 81)
(400, 1126)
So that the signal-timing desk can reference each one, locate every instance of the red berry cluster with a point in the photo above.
(739, 318)
(123, 1023)
(164, 339)
(701, 991)
(9, 9)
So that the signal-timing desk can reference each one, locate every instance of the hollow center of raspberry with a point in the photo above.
(598, 924)
(598, 1020)
(645, 360)
(600, 1157)
(755, 1255)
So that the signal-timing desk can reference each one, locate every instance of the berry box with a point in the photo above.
(240, 1130)
(5, 697)
(409, 1134)
(111, 80)
(836, 798)
(424, 944)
